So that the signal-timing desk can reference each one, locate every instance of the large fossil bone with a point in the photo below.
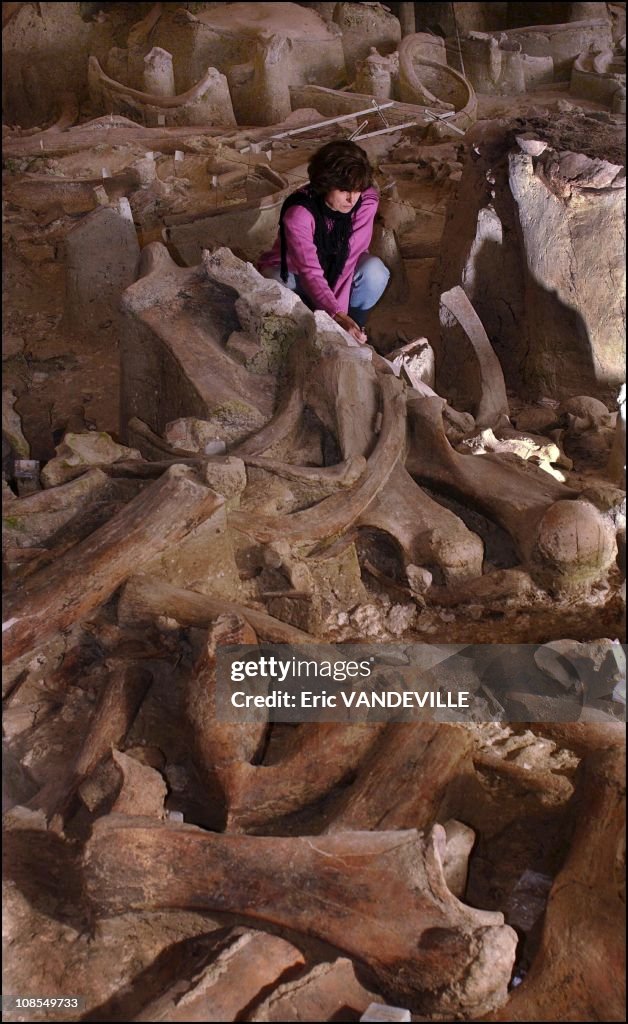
(173, 358)
(427, 533)
(67, 591)
(219, 743)
(379, 896)
(343, 474)
(565, 543)
(339, 511)
(404, 779)
(119, 702)
(468, 371)
(145, 598)
(112, 130)
(207, 102)
(220, 987)
(579, 968)
(321, 756)
(343, 391)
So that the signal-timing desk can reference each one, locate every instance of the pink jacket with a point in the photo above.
(303, 259)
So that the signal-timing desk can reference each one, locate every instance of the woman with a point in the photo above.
(325, 230)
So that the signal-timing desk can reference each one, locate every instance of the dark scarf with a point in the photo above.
(332, 246)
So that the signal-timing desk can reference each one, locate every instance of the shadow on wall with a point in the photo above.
(478, 17)
(502, 308)
(248, 230)
(552, 354)
(559, 351)
(542, 343)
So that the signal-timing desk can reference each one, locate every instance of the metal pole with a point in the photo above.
(375, 108)
(385, 131)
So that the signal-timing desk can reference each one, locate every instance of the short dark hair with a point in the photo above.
(341, 164)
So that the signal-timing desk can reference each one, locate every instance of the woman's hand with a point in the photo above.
(349, 325)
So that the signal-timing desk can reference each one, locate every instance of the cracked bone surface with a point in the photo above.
(176, 319)
(392, 909)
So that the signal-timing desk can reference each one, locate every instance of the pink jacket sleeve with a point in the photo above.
(299, 228)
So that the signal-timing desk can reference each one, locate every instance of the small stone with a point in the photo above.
(531, 145)
(88, 449)
(460, 841)
(227, 477)
(24, 818)
(380, 1012)
(425, 626)
(367, 619)
(419, 579)
(100, 195)
(600, 665)
(400, 618)
(166, 624)
(230, 423)
(565, 107)
(275, 554)
(216, 447)
(175, 816)
(189, 434)
(12, 425)
(242, 347)
(269, 497)
(177, 777)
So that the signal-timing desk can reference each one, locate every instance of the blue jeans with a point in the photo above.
(369, 281)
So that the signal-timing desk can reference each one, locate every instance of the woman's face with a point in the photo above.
(341, 200)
